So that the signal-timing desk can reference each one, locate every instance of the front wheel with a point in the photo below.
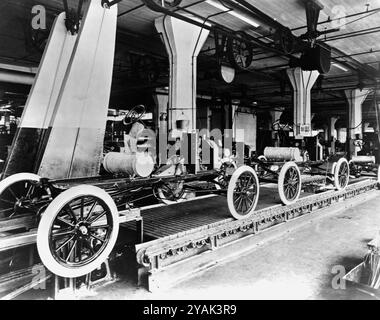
(78, 231)
(243, 192)
(289, 183)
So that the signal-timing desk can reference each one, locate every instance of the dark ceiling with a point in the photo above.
(141, 62)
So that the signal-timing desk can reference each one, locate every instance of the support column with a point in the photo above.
(183, 41)
(302, 82)
(355, 99)
(332, 132)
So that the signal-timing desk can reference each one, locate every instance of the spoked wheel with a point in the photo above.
(243, 192)
(21, 194)
(78, 231)
(341, 174)
(289, 183)
(226, 171)
(171, 192)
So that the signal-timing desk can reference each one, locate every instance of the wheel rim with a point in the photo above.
(244, 194)
(291, 184)
(80, 232)
(22, 197)
(343, 174)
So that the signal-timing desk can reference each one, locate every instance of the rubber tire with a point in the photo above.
(281, 179)
(18, 177)
(230, 192)
(336, 172)
(48, 217)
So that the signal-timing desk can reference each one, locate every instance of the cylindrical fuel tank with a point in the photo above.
(139, 164)
(282, 154)
(363, 159)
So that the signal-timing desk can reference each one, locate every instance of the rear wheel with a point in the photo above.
(341, 174)
(78, 231)
(289, 183)
(243, 192)
(21, 194)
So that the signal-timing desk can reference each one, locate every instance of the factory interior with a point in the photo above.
(189, 149)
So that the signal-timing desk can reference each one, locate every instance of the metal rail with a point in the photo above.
(157, 255)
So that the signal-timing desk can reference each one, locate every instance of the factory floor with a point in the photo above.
(300, 265)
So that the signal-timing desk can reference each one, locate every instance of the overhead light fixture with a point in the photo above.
(218, 5)
(339, 66)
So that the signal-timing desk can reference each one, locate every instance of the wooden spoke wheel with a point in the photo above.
(21, 194)
(171, 192)
(289, 183)
(243, 192)
(226, 171)
(240, 53)
(77, 231)
(157, 5)
(341, 174)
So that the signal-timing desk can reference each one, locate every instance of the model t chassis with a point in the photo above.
(78, 219)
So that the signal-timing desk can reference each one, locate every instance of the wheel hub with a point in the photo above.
(82, 230)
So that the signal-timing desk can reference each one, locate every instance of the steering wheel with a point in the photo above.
(134, 115)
